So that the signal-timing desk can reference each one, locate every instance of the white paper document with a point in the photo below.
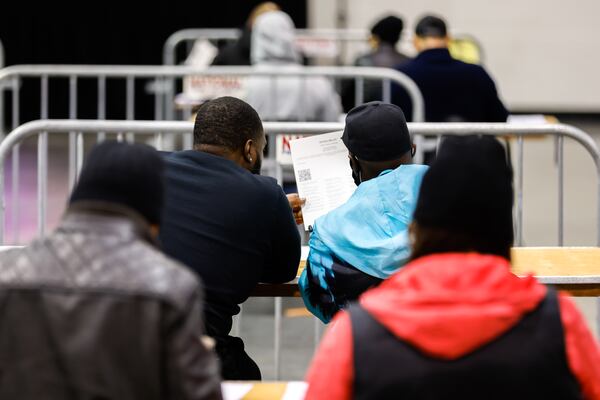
(323, 174)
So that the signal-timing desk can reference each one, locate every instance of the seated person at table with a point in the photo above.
(94, 310)
(455, 322)
(230, 225)
(365, 240)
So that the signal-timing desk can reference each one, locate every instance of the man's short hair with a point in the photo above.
(388, 29)
(431, 26)
(226, 122)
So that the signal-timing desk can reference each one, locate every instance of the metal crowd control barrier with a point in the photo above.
(1, 91)
(164, 106)
(43, 128)
(188, 36)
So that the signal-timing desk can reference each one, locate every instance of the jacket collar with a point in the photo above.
(435, 55)
(106, 218)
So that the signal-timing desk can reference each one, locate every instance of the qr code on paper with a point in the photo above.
(304, 175)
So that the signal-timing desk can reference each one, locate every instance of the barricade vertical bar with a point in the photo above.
(42, 161)
(72, 135)
(130, 104)
(359, 91)
(304, 97)
(158, 98)
(520, 191)
(188, 137)
(170, 99)
(158, 109)
(387, 91)
(80, 153)
(16, 155)
(2, 203)
(237, 322)
(560, 155)
(277, 345)
(277, 170)
(101, 105)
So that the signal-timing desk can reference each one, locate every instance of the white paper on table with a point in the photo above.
(235, 390)
(323, 174)
(295, 390)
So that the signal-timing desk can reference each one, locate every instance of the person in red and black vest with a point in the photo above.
(455, 322)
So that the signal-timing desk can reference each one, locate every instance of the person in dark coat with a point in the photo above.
(95, 310)
(384, 38)
(385, 35)
(452, 90)
(230, 225)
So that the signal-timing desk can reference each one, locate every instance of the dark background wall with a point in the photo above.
(109, 33)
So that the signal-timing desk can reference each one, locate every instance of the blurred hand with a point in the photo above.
(296, 204)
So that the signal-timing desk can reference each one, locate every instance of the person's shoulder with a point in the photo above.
(364, 60)
(267, 184)
(474, 69)
(15, 265)
(154, 274)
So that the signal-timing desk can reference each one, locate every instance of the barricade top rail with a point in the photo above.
(386, 75)
(178, 37)
(151, 71)
(416, 128)
(43, 127)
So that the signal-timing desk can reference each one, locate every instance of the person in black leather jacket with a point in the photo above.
(95, 310)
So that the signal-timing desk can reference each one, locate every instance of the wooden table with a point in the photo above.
(573, 269)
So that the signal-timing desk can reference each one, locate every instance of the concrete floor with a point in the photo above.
(256, 327)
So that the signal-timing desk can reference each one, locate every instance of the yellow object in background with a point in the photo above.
(465, 49)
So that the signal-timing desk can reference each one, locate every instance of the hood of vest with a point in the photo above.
(449, 305)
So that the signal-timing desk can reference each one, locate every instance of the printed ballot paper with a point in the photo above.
(323, 174)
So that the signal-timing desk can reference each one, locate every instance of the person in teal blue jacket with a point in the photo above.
(365, 240)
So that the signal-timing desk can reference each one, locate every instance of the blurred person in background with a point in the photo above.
(455, 322)
(237, 52)
(452, 90)
(95, 310)
(293, 98)
(385, 35)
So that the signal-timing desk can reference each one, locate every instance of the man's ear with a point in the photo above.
(154, 230)
(417, 43)
(248, 157)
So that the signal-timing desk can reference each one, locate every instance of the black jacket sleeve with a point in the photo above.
(282, 266)
(495, 110)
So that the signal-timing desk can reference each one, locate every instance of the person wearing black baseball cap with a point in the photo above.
(455, 322)
(365, 240)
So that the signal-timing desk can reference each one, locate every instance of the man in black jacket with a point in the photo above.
(95, 310)
(230, 225)
(452, 90)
